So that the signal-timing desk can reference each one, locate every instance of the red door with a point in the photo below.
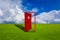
(27, 21)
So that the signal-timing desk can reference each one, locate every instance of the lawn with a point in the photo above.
(43, 32)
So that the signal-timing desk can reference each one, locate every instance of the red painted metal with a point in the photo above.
(27, 21)
(34, 22)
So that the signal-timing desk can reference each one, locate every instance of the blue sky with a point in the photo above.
(47, 11)
(42, 5)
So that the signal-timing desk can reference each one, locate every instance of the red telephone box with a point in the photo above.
(27, 21)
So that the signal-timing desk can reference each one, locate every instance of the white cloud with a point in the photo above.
(56, 20)
(48, 17)
(1, 20)
(1, 13)
(7, 19)
(10, 10)
(6, 4)
(34, 10)
(16, 15)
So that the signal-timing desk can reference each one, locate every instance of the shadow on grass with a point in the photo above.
(20, 26)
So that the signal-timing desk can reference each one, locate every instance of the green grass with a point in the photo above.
(43, 32)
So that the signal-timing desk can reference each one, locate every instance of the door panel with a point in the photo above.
(27, 21)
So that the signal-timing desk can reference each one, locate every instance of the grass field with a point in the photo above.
(43, 32)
